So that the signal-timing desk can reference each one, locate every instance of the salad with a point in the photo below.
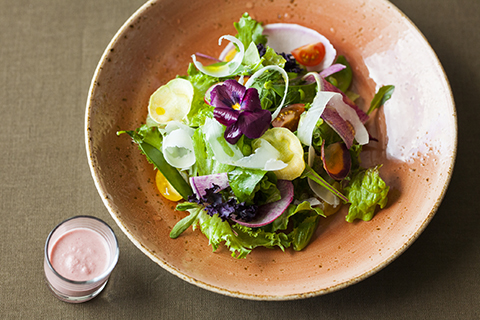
(259, 145)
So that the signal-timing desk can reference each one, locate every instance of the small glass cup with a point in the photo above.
(75, 291)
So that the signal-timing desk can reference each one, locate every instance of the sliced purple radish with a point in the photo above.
(269, 212)
(201, 183)
(344, 129)
(327, 86)
(285, 37)
(207, 98)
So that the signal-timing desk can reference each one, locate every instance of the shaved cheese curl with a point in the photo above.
(224, 69)
(285, 78)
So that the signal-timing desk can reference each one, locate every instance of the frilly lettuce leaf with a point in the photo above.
(243, 182)
(249, 30)
(240, 240)
(218, 231)
(281, 223)
(365, 192)
(257, 237)
(272, 58)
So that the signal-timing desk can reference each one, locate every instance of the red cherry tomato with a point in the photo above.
(289, 117)
(310, 55)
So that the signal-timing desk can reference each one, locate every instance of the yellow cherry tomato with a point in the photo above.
(165, 188)
(290, 149)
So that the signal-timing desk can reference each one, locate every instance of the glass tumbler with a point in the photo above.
(80, 254)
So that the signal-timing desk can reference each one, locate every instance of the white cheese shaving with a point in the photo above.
(226, 69)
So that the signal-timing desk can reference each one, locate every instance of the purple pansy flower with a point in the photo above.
(239, 109)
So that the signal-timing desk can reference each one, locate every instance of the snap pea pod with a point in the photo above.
(155, 156)
(149, 142)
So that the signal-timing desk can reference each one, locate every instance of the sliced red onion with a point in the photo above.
(227, 69)
(271, 211)
(334, 68)
(206, 56)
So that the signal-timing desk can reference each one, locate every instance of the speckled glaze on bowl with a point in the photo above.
(416, 130)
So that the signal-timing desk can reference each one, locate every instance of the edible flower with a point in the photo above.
(240, 110)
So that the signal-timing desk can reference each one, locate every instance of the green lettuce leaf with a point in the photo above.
(365, 192)
(201, 83)
(253, 186)
(281, 223)
(249, 30)
(257, 237)
(272, 58)
(383, 94)
(205, 161)
(303, 230)
(266, 190)
(243, 182)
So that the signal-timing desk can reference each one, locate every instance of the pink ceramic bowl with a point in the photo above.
(416, 130)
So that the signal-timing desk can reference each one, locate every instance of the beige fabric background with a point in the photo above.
(48, 52)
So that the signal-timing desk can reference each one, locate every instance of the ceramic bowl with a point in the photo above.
(416, 133)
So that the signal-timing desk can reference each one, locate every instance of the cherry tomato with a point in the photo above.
(165, 188)
(289, 117)
(309, 55)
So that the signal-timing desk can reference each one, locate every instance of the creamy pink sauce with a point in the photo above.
(80, 255)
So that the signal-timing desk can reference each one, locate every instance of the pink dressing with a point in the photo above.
(80, 254)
